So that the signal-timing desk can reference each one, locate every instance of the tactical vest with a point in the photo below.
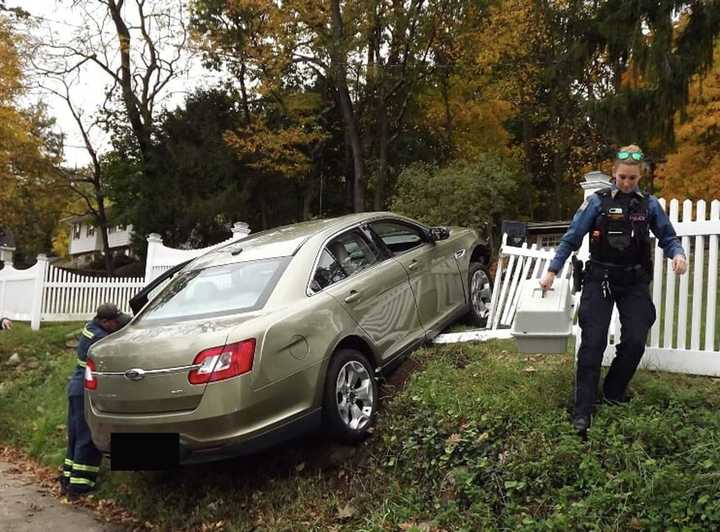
(621, 234)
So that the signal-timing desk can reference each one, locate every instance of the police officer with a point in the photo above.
(82, 461)
(619, 271)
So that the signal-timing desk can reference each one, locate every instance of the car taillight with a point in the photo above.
(219, 363)
(90, 380)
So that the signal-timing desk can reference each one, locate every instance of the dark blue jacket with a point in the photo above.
(91, 333)
(584, 220)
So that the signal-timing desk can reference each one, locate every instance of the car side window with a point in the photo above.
(398, 237)
(344, 256)
(328, 272)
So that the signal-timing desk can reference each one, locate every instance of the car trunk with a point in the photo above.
(154, 347)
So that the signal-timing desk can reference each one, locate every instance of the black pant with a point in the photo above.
(83, 459)
(637, 314)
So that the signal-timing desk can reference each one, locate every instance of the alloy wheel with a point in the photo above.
(354, 395)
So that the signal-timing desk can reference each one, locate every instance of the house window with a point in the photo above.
(90, 230)
(551, 240)
(76, 231)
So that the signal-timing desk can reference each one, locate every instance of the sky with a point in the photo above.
(59, 19)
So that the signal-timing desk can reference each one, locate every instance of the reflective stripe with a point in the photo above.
(87, 334)
(77, 480)
(66, 473)
(89, 468)
(68, 462)
(81, 363)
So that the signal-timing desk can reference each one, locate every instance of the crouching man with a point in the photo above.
(82, 461)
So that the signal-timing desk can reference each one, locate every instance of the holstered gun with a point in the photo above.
(578, 274)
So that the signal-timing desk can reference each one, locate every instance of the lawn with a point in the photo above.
(477, 437)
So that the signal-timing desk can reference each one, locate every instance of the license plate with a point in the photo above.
(143, 451)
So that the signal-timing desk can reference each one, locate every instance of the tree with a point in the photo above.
(693, 170)
(87, 183)
(472, 194)
(373, 55)
(200, 187)
(139, 46)
(29, 198)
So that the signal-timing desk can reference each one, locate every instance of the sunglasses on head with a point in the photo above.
(634, 155)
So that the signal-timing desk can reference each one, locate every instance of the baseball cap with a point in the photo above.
(107, 311)
(110, 311)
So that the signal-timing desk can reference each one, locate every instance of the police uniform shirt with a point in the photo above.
(584, 221)
(91, 333)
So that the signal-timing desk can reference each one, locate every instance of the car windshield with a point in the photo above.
(215, 291)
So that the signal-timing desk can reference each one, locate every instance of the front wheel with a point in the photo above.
(350, 399)
(480, 294)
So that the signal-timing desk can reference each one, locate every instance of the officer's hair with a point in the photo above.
(632, 148)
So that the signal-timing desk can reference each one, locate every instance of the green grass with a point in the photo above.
(33, 402)
(477, 439)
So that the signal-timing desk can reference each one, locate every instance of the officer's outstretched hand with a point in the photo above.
(679, 264)
(546, 281)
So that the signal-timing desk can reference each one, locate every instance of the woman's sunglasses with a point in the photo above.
(634, 155)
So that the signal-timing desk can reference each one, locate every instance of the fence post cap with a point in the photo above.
(154, 237)
(595, 179)
(241, 228)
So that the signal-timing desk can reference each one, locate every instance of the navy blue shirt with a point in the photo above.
(91, 333)
(584, 220)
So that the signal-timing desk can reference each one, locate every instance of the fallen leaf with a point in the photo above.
(454, 439)
(346, 513)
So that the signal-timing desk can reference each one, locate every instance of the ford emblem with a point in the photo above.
(136, 374)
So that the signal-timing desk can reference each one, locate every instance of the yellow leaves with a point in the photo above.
(693, 171)
(281, 151)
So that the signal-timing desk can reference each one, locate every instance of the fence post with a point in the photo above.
(35, 313)
(154, 241)
(240, 230)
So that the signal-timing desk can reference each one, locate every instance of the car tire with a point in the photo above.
(351, 396)
(480, 288)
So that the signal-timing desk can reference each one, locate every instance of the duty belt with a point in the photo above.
(615, 267)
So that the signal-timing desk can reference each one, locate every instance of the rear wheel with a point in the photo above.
(480, 294)
(350, 399)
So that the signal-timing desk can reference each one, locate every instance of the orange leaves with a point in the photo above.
(693, 171)
(279, 151)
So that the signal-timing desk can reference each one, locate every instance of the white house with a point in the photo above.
(86, 242)
(7, 246)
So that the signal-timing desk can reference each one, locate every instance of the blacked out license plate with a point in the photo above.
(144, 451)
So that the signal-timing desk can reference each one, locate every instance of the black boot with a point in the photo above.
(581, 424)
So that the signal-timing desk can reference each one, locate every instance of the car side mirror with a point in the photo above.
(439, 233)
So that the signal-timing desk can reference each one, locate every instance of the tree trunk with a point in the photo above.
(558, 172)
(103, 227)
(379, 199)
(243, 91)
(308, 198)
(339, 69)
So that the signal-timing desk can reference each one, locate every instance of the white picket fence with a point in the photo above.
(46, 293)
(683, 338)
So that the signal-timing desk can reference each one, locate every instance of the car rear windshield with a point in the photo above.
(216, 291)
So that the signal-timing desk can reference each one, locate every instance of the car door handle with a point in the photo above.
(354, 296)
(413, 265)
(460, 253)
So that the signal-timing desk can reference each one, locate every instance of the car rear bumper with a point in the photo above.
(254, 443)
(191, 452)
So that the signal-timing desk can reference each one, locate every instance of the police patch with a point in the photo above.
(637, 217)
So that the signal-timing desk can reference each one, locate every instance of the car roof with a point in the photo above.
(279, 241)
